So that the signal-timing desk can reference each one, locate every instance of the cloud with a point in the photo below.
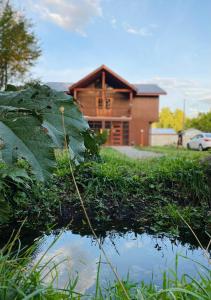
(72, 261)
(133, 244)
(142, 31)
(197, 94)
(191, 89)
(113, 22)
(71, 15)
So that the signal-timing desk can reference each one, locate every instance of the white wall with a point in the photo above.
(163, 139)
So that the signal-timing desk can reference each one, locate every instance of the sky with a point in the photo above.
(166, 42)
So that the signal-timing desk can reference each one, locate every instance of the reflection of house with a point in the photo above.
(110, 102)
(163, 136)
(188, 134)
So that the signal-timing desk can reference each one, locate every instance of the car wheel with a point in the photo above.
(200, 148)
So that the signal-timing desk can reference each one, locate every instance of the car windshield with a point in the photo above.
(208, 135)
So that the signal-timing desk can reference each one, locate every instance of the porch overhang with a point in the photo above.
(122, 119)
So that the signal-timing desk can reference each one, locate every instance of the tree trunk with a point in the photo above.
(5, 76)
(1, 76)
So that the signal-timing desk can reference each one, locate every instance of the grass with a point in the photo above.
(173, 151)
(118, 185)
(22, 278)
(118, 192)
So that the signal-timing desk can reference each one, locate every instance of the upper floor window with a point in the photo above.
(104, 106)
(108, 103)
(100, 103)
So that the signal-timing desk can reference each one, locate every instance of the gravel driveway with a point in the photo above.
(134, 153)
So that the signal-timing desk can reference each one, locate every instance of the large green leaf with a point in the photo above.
(31, 126)
(24, 137)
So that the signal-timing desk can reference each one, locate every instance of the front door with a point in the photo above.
(116, 133)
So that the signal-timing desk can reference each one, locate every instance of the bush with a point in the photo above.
(118, 192)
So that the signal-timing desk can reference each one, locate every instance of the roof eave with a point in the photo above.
(103, 67)
(151, 94)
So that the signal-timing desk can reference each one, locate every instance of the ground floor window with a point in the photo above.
(125, 133)
(95, 125)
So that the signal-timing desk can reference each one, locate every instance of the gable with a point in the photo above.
(111, 80)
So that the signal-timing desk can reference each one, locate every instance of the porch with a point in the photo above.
(118, 129)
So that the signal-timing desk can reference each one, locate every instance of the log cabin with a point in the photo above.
(125, 110)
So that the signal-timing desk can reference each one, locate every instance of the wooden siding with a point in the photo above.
(120, 103)
(129, 110)
(145, 110)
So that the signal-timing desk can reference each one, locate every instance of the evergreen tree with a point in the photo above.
(18, 45)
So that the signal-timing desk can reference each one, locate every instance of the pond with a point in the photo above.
(142, 256)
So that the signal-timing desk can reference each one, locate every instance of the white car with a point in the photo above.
(200, 142)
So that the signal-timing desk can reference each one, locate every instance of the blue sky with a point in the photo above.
(167, 42)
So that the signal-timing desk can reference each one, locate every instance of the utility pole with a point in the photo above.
(183, 119)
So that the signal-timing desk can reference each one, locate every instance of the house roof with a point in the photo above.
(163, 131)
(139, 89)
(59, 86)
(149, 89)
(94, 74)
(192, 131)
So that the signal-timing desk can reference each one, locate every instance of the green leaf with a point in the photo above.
(5, 210)
(32, 125)
(24, 138)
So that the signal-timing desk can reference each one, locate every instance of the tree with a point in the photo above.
(18, 45)
(201, 122)
(178, 117)
(169, 119)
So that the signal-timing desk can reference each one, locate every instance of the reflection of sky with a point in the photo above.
(138, 256)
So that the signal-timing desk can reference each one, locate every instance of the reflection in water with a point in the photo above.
(145, 257)
(73, 261)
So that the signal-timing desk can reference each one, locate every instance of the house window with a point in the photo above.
(104, 106)
(108, 124)
(108, 103)
(95, 125)
(100, 103)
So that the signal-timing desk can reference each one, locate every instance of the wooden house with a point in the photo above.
(125, 110)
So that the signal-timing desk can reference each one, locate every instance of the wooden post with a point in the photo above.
(131, 98)
(130, 103)
(142, 137)
(103, 80)
(75, 94)
(103, 90)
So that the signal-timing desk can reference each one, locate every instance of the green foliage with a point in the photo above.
(173, 151)
(31, 127)
(18, 45)
(122, 189)
(170, 119)
(168, 218)
(20, 278)
(201, 122)
(173, 287)
(118, 191)
(10, 178)
(101, 137)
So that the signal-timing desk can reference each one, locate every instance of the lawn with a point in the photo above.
(171, 150)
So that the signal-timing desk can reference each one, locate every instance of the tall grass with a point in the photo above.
(22, 278)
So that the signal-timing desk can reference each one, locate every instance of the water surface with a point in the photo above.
(142, 256)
